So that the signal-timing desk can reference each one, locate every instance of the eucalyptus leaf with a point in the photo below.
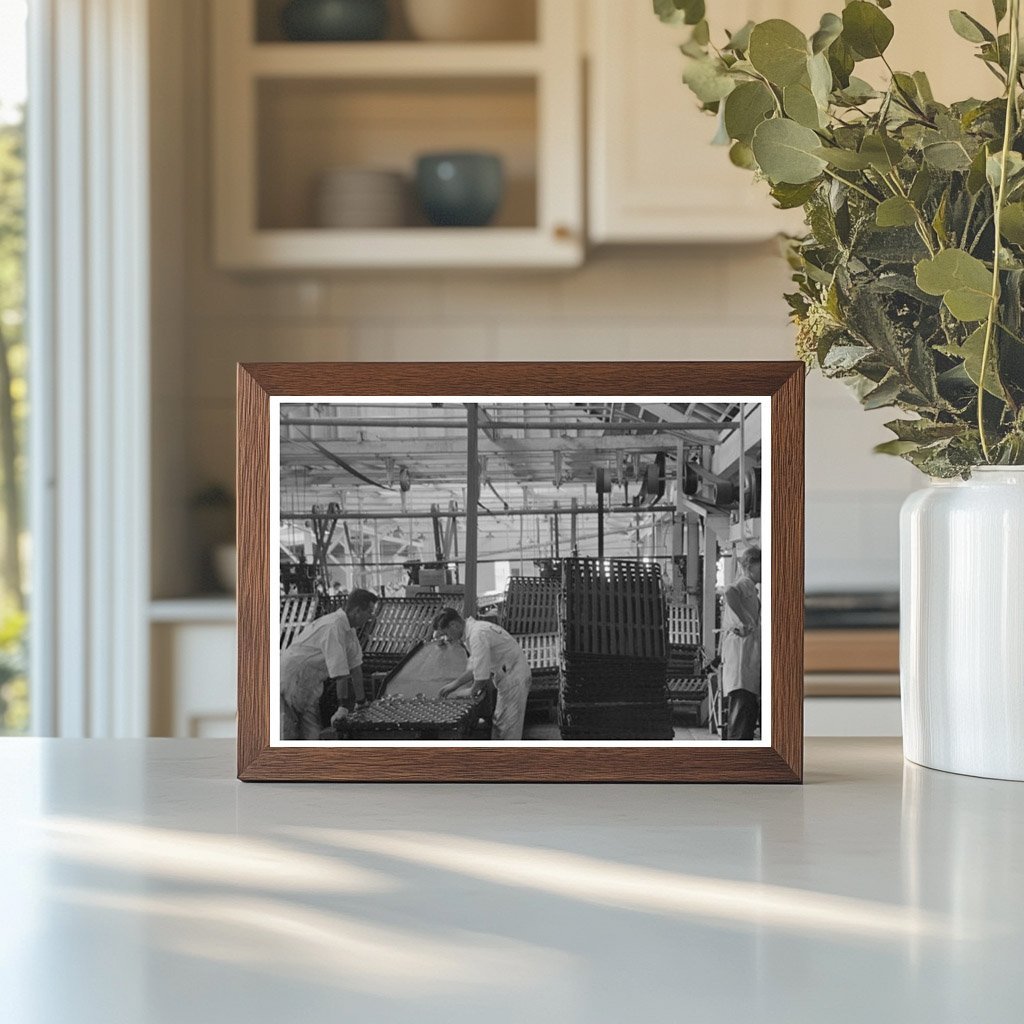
(820, 76)
(923, 431)
(885, 394)
(994, 168)
(921, 185)
(947, 156)
(844, 159)
(972, 352)
(675, 12)
(779, 51)
(976, 173)
(788, 196)
(800, 105)
(963, 281)
(895, 212)
(866, 29)
(895, 447)
(785, 152)
(829, 30)
(883, 153)
(708, 81)
(842, 61)
(1012, 223)
(739, 41)
(741, 155)
(969, 28)
(924, 88)
(858, 91)
(745, 108)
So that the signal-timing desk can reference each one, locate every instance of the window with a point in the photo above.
(14, 705)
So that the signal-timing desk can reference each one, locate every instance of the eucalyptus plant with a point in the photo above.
(910, 278)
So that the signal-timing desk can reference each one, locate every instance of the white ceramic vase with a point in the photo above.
(962, 624)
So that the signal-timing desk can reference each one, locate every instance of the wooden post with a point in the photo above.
(472, 504)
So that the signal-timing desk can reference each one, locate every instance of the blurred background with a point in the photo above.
(254, 180)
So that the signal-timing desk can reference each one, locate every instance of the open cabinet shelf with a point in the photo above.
(287, 114)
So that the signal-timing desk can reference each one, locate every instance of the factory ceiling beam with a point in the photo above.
(294, 451)
(492, 514)
(450, 424)
(726, 458)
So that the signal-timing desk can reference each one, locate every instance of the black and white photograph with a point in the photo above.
(550, 571)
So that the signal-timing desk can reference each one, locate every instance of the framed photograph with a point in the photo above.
(520, 572)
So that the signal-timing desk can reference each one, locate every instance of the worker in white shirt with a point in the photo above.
(328, 648)
(493, 655)
(741, 647)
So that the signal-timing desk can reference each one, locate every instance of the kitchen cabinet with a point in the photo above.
(193, 673)
(286, 113)
(653, 175)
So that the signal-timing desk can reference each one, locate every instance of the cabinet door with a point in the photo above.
(654, 175)
(286, 113)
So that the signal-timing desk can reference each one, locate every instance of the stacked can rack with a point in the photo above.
(530, 613)
(400, 624)
(687, 686)
(415, 718)
(531, 606)
(297, 612)
(542, 652)
(615, 651)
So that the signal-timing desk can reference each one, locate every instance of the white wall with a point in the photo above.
(655, 303)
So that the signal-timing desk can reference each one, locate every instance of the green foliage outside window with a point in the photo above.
(13, 413)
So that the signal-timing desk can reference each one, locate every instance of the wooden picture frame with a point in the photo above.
(778, 385)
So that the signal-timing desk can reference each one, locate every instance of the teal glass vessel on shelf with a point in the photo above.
(462, 190)
(332, 21)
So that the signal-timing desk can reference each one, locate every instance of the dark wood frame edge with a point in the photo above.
(258, 761)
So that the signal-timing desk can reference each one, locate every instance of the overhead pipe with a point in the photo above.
(618, 428)
(459, 514)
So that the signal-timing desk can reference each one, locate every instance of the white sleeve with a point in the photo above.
(336, 651)
(479, 656)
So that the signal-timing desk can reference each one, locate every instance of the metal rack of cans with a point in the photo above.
(399, 625)
(530, 613)
(299, 610)
(687, 684)
(415, 718)
(614, 651)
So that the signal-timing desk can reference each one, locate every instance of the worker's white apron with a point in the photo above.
(513, 685)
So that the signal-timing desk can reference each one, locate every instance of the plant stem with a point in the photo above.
(922, 225)
(993, 309)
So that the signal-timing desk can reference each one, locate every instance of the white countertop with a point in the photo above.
(143, 884)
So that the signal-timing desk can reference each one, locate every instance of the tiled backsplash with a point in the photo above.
(701, 302)
(717, 303)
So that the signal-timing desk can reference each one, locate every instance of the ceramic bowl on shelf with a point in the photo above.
(460, 189)
(361, 198)
(470, 20)
(332, 21)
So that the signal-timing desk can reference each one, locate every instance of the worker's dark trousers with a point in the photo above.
(744, 710)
